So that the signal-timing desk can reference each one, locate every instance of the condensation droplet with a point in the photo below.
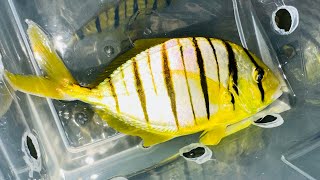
(289, 51)
(109, 50)
(147, 31)
(81, 118)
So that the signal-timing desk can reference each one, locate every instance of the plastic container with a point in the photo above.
(45, 139)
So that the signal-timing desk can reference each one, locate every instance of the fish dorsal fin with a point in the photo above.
(138, 46)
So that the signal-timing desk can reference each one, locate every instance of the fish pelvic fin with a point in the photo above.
(149, 137)
(57, 82)
(213, 136)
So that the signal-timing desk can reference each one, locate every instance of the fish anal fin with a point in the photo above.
(213, 136)
(119, 123)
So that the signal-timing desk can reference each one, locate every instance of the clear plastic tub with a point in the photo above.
(69, 141)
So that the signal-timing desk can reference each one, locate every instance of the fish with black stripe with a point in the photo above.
(163, 88)
(118, 15)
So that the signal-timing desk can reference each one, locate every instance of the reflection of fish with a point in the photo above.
(167, 87)
(5, 98)
(119, 15)
(5, 95)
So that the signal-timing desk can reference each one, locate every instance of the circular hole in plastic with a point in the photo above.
(266, 119)
(31, 149)
(269, 121)
(285, 19)
(195, 153)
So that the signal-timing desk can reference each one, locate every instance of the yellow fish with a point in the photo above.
(163, 90)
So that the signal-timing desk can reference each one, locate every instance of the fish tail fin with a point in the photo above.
(57, 82)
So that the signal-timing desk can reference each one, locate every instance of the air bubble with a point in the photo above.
(109, 50)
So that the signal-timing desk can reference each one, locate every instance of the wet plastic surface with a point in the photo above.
(74, 143)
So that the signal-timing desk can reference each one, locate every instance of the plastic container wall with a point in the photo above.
(74, 143)
(299, 56)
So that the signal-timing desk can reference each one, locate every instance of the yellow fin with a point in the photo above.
(57, 78)
(46, 56)
(139, 46)
(34, 85)
(213, 136)
(116, 121)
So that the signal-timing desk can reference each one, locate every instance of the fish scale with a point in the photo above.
(202, 105)
(168, 89)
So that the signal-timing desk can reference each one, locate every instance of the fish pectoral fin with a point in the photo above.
(213, 136)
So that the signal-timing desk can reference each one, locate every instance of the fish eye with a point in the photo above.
(258, 74)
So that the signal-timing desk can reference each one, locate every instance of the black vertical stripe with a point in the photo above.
(203, 78)
(80, 34)
(125, 8)
(135, 6)
(232, 101)
(151, 73)
(155, 5)
(146, 4)
(260, 71)
(232, 66)
(113, 92)
(169, 84)
(116, 17)
(215, 56)
(140, 90)
(98, 26)
(187, 82)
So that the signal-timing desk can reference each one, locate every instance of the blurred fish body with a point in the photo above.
(5, 92)
(163, 88)
(119, 15)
